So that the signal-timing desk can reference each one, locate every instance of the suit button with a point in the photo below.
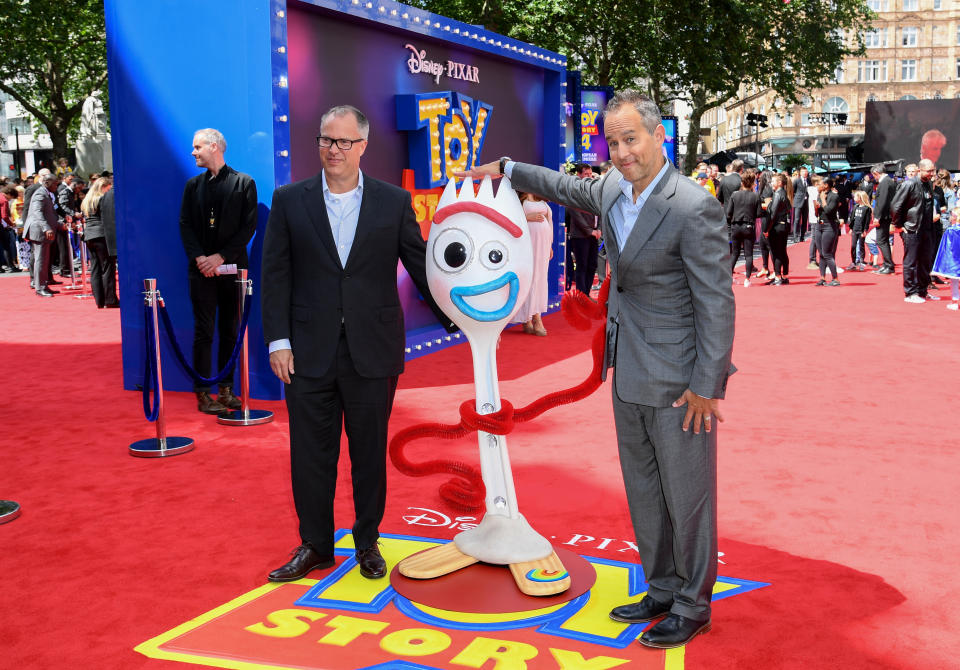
(613, 320)
(619, 289)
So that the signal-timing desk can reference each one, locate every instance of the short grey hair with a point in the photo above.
(212, 136)
(48, 178)
(342, 110)
(645, 107)
(878, 169)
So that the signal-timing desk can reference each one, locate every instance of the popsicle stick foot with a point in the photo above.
(435, 562)
(543, 577)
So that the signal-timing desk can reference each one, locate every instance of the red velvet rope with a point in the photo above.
(465, 491)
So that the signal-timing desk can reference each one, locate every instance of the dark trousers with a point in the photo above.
(827, 238)
(103, 273)
(778, 249)
(585, 256)
(858, 248)
(8, 247)
(214, 302)
(320, 409)
(41, 263)
(764, 250)
(64, 252)
(801, 218)
(742, 235)
(916, 270)
(883, 244)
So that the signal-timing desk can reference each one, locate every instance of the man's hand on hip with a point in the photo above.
(281, 362)
(699, 410)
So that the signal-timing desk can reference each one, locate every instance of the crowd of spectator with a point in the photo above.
(46, 217)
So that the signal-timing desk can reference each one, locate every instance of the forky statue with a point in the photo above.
(479, 267)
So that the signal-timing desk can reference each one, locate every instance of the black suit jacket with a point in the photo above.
(236, 225)
(729, 185)
(884, 198)
(306, 292)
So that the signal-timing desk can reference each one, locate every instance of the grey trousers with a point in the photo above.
(671, 482)
(41, 264)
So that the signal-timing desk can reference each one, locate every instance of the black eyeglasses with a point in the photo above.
(342, 144)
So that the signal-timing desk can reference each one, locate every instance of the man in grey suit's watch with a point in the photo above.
(669, 339)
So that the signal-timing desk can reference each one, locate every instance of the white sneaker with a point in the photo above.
(915, 299)
(746, 283)
(932, 297)
(953, 305)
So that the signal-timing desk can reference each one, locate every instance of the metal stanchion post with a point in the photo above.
(83, 269)
(73, 275)
(9, 510)
(244, 416)
(161, 445)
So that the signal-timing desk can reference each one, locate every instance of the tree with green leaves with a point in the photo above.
(53, 55)
(683, 50)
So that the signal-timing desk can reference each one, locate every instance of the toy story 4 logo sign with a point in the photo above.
(344, 621)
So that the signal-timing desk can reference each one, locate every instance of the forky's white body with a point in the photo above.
(479, 267)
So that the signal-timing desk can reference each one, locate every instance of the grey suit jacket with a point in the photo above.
(671, 309)
(42, 216)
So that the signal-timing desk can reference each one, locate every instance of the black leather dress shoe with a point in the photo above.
(372, 565)
(304, 560)
(674, 631)
(44, 293)
(647, 609)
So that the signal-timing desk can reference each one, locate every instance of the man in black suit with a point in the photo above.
(331, 307)
(218, 216)
(886, 187)
(801, 209)
(730, 183)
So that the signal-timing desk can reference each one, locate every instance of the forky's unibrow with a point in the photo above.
(477, 208)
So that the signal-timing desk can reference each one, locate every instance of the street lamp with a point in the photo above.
(758, 121)
(826, 118)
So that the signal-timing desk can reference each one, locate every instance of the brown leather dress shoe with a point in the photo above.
(372, 565)
(208, 405)
(304, 560)
(227, 399)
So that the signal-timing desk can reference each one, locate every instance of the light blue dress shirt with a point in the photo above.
(625, 211)
(343, 211)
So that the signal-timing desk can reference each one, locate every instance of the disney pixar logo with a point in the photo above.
(418, 63)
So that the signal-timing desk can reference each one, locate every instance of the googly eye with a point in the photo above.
(493, 255)
(453, 250)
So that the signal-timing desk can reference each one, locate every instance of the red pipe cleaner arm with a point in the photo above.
(466, 491)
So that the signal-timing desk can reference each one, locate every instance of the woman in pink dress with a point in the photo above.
(540, 221)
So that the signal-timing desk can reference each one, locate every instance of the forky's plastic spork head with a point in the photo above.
(479, 256)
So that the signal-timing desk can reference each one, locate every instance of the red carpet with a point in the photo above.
(838, 480)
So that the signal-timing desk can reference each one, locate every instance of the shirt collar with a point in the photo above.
(224, 170)
(627, 188)
(326, 189)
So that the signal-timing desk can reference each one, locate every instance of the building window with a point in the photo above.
(908, 70)
(877, 38)
(908, 97)
(938, 95)
(908, 36)
(804, 119)
(871, 98)
(838, 74)
(871, 70)
(836, 105)
(788, 121)
(909, 5)
(937, 4)
(19, 125)
(876, 5)
(805, 101)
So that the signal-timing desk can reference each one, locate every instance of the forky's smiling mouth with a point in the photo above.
(459, 293)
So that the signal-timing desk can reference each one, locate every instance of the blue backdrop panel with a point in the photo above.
(177, 66)
(261, 71)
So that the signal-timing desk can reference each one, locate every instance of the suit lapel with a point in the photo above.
(652, 214)
(367, 218)
(316, 208)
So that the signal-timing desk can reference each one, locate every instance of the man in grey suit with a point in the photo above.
(40, 228)
(669, 340)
